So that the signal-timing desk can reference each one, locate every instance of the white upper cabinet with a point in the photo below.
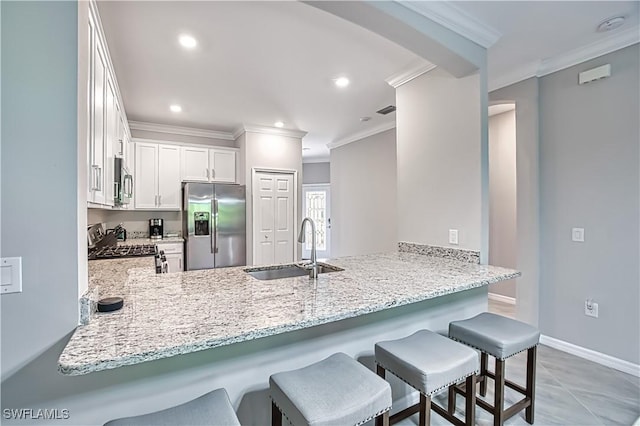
(108, 127)
(208, 164)
(157, 177)
(169, 185)
(195, 164)
(223, 165)
(146, 178)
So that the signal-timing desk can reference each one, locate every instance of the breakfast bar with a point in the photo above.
(240, 329)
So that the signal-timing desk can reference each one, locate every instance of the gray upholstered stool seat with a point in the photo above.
(335, 391)
(211, 409)
(429, 363)
(501, 338)
(496, 335)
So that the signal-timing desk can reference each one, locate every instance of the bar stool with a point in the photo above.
(501, 338)
(429, 363)
(335, 391)
(210, 409)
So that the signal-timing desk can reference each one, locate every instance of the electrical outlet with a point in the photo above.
(590, 308)
(577, 235)
(453, 236)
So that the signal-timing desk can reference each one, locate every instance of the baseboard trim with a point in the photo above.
(503, 299)
(591, 355)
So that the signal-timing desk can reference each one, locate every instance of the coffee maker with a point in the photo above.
(156, 229)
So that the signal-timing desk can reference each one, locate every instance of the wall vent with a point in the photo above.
(387, 110)
(594, 74)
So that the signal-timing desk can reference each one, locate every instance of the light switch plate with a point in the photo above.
(11, 275)
(453, 236)
(577, 235)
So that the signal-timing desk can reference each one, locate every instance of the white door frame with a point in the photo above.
(293, 172)
(322, 186)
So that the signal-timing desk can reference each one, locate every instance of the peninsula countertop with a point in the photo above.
(178, 313)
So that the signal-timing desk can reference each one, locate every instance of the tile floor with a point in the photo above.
(569, 390)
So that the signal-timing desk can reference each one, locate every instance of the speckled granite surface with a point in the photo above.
(464, 255)
(178, 313)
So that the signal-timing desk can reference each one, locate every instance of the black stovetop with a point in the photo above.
(124, 251)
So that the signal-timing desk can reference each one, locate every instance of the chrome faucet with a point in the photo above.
(313, 271)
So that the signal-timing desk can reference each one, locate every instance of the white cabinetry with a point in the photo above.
(174, 254)
(157, 177)
(107, 125)
(208, 164)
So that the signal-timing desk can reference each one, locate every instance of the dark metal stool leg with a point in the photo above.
(276, 415)
(498, 406)
(470, 401)
(451, 406)
(484, 359)
(425, 410)
(531, 383)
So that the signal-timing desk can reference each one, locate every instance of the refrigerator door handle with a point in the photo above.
(215, 223)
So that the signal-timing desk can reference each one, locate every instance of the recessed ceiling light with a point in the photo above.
(187, 41)
(610, 24)
(175, 108)
(278, 124)
(341, 81)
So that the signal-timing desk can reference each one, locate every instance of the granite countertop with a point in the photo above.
(178, 313)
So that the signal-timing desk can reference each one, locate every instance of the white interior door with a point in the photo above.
(273, 218)
(316, 205)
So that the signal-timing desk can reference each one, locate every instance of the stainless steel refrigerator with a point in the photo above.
(213, 224)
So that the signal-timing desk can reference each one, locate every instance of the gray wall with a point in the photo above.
(502, 197)
(316, 173)
(590, 178)
(525, 96)
(363, 196)
(439, 159)
(39, 176)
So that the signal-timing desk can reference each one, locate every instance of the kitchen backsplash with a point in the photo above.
(136, 222)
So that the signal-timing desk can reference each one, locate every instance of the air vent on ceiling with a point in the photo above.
(387, 110)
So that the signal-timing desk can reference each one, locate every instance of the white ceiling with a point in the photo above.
(260, 62)
(256, 63)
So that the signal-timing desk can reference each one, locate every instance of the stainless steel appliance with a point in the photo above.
(122, 183)
(213, 224)
(105, 245)
(156, 229)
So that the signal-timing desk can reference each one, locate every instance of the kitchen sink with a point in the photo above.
(288, 271)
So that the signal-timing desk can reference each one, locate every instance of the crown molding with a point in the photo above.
(267, 130)
(457, 20)
(568, 59)
(615, 41)
(408, 74)
(361, 135)
(315, 160)
(177, 130)
(521, 73)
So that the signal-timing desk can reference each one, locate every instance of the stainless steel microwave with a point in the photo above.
(123, 183)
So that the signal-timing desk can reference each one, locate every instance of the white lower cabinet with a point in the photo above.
(157, 177)
(174, 254)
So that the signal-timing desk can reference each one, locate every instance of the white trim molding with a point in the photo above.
(457, 20)
(540, 68)
(502, 298)
(406, 75)
(591, 355)
(616, 41)
(361, 135)
(177, 130)
(314, 160)
(254, 128)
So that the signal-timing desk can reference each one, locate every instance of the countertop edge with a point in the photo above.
(82, 369)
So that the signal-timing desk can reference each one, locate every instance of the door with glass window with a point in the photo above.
(316, 205)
